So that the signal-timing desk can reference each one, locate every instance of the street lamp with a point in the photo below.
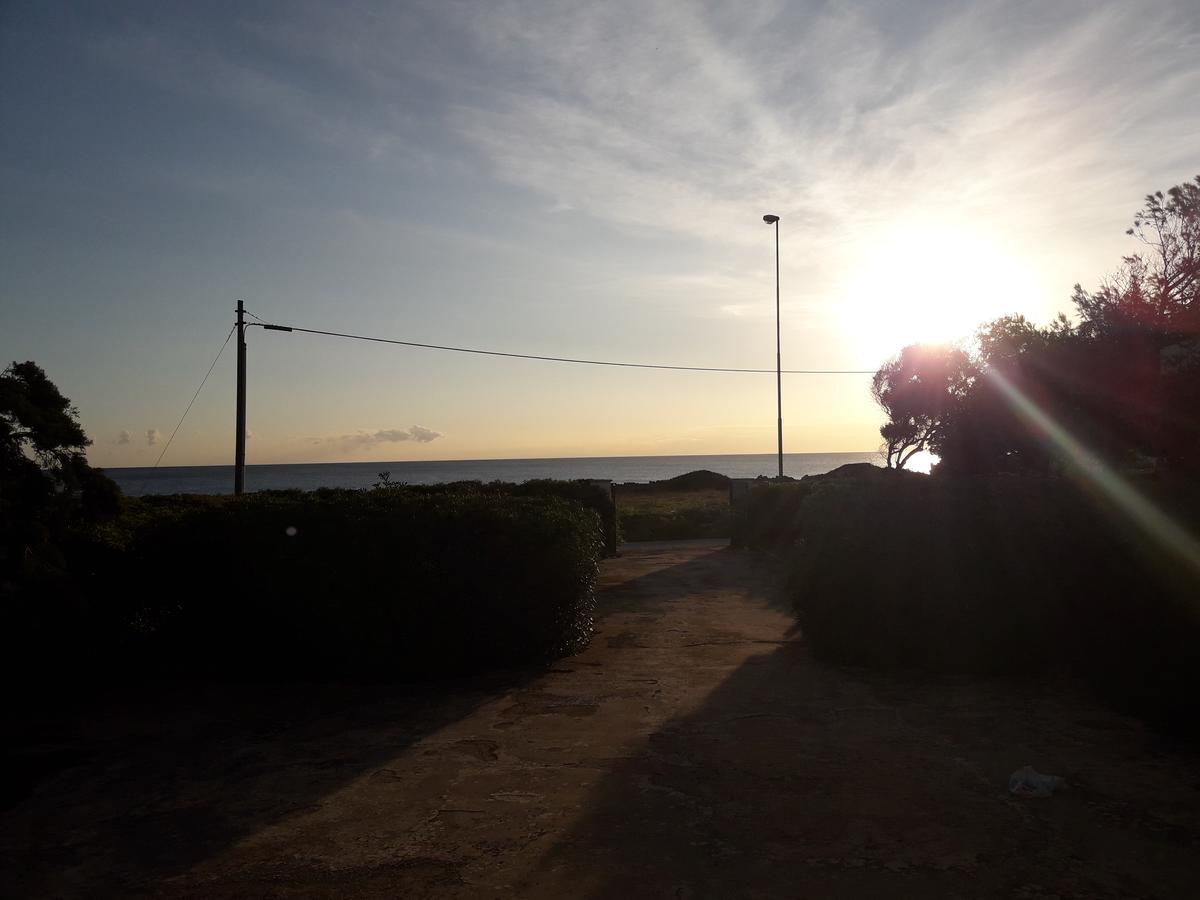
(774, 220)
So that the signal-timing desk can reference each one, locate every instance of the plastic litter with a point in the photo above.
(1028, 782)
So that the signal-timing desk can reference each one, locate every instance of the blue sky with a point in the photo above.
(554, 178)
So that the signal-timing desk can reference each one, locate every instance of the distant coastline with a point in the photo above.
(310, 476)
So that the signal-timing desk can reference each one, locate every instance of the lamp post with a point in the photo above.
(774, 220)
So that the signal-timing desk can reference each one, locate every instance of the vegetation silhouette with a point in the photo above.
(1124, 380)
(1059, 528)
(920, 390)
(397, 582)
(46, 484)
(52, 506)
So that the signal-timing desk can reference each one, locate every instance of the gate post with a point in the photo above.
(739, 504)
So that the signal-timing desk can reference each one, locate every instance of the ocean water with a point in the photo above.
(309, 476)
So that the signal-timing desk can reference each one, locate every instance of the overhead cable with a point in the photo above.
(560, 359)
(194, 396)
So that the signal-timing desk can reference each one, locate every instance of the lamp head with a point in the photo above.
(770, 220)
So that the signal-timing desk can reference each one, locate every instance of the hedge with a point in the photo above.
(581, 491)
(767, 511)
(999, 574)
(767, 514)
(332, 583)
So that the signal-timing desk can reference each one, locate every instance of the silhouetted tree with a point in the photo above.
(984, 433)
(920, 390)
(46, 484)
(1158, 291)
(1141, 334)
(1124, 381)
(1012, 337)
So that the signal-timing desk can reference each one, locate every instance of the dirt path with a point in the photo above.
(694, 750)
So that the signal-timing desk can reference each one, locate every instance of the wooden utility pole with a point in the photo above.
(239, 450)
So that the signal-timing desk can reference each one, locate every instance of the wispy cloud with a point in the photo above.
(677, 125)
(124, 437)
(690, 119)
(153, 436)
(365, 438)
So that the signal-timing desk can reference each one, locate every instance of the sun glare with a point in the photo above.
(929, 284)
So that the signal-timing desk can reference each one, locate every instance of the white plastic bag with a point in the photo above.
(1028, 782)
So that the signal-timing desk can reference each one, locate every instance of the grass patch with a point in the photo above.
(651, 513)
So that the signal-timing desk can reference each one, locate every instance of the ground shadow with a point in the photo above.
(136, 785)
(787, 778)
(796, 778)
(652, 586)
(131, 790)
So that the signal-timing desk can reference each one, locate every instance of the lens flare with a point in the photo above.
(1091, 469)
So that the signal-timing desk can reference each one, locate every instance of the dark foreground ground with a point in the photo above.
(695, 750)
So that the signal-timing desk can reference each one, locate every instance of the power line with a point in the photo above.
(194, 396)
(561, 359)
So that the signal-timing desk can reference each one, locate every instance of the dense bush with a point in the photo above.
(587, 493)
(1000, 574)
(767, 515)
(52, 506)
(337, 583)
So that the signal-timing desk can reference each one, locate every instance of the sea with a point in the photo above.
(310, 476)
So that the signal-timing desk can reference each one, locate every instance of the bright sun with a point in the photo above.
(930, 284)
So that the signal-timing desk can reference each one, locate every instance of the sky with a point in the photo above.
(564, 179)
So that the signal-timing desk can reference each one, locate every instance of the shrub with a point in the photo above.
(998, 574)
(581, 491)
(769, 514)
(336, 582)
(585, 493)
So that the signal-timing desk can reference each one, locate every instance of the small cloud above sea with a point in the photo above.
(366, 438)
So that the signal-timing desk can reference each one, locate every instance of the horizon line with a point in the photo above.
(498, 459)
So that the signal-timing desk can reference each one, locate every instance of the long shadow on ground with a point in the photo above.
(796, 778)
(124, 793)
(695, 750)
(135, 790)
